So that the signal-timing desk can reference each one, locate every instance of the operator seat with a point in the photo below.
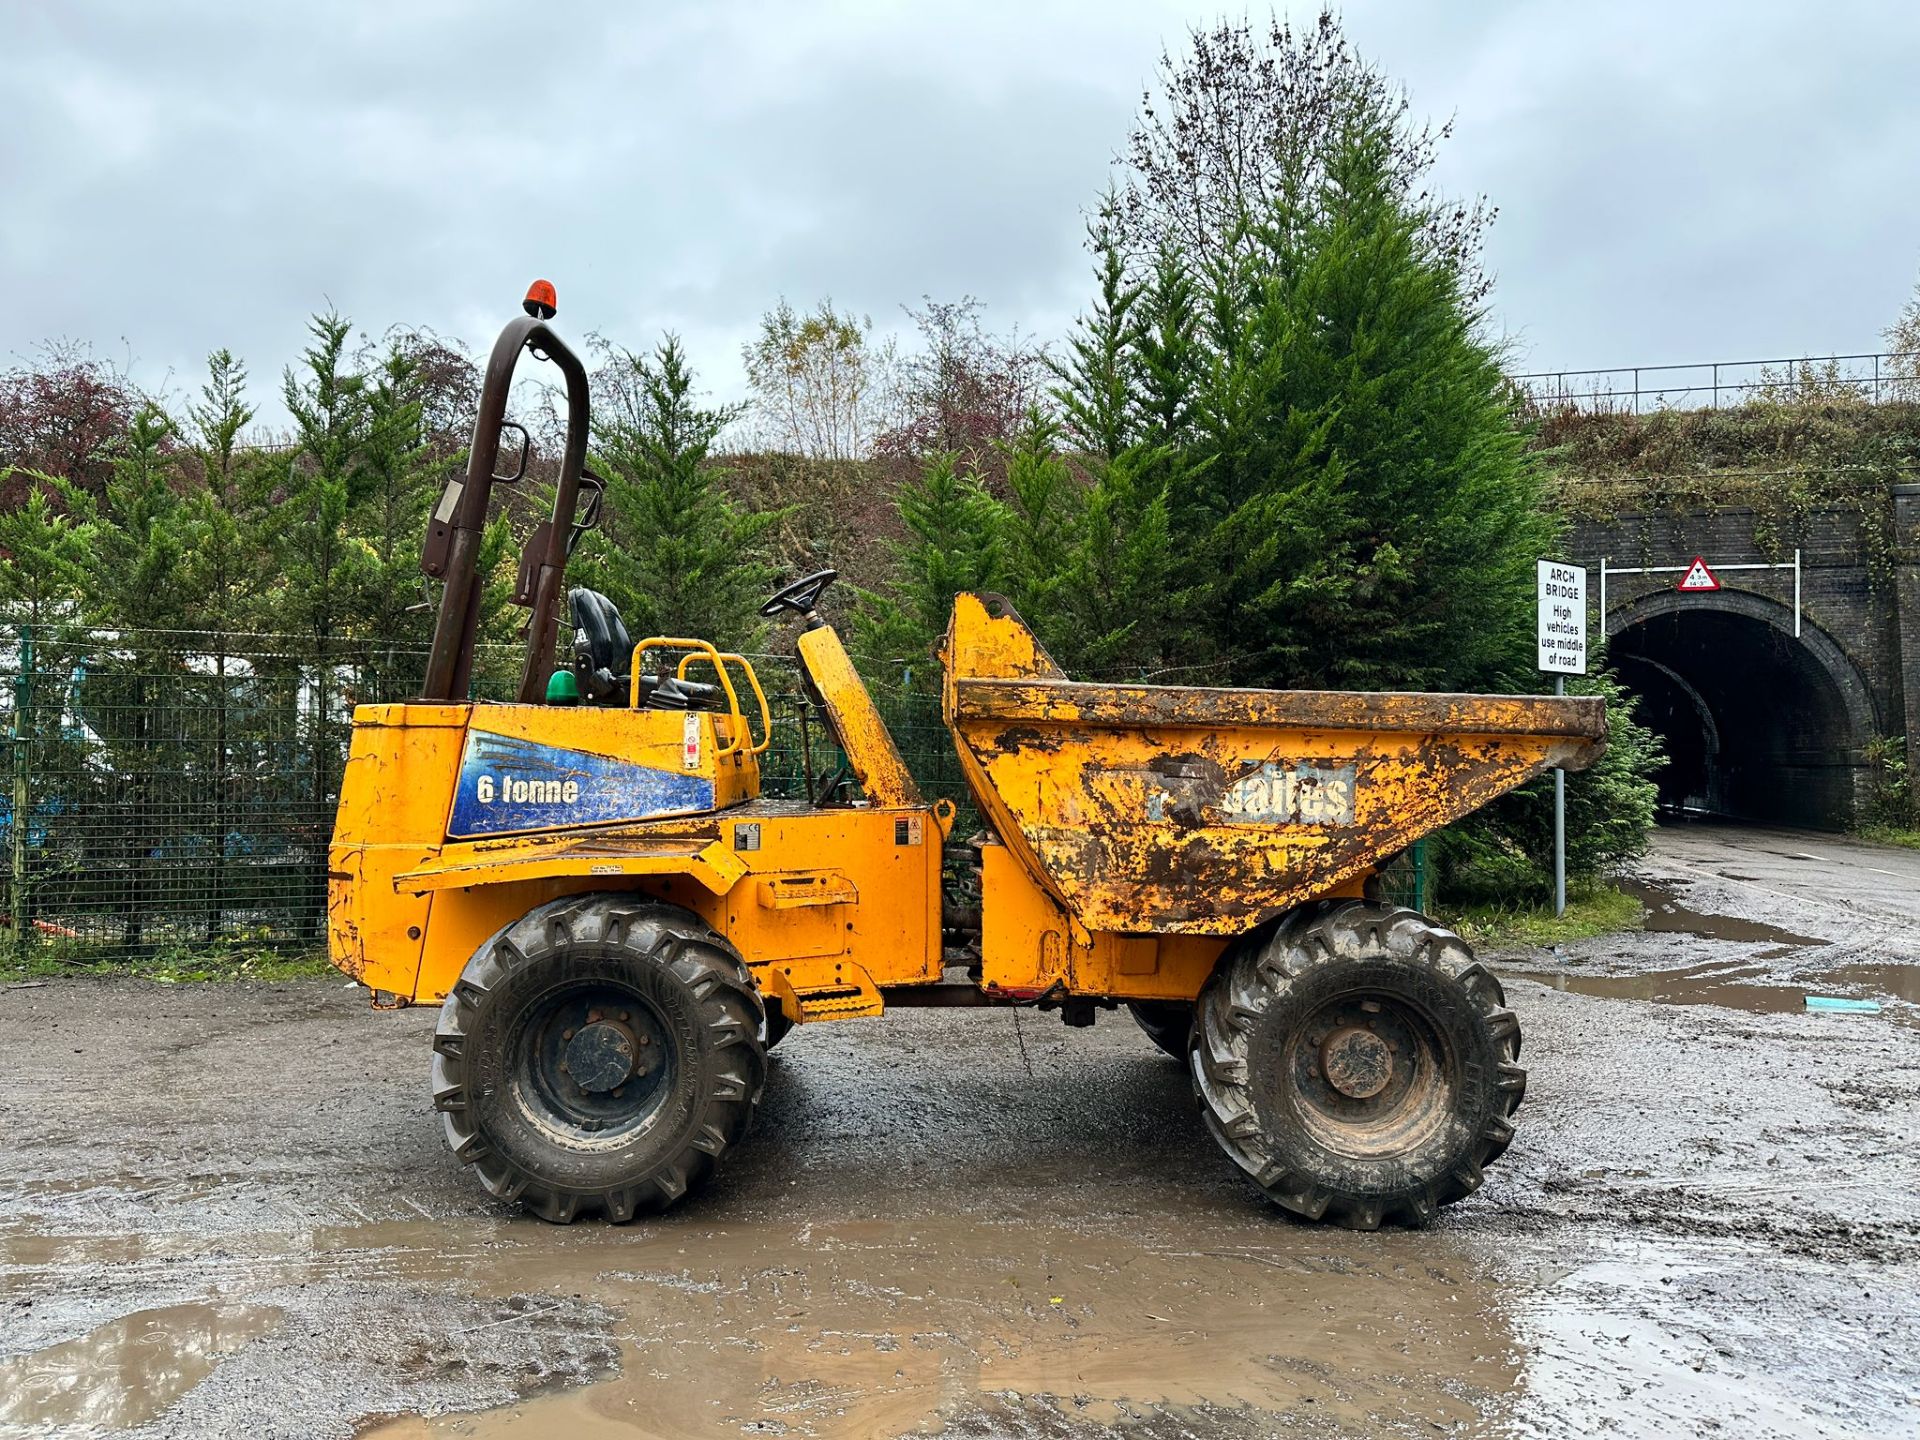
(603, 660)
(603, 653)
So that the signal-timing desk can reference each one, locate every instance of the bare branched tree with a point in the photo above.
(819, 381)
(1903, 340)
(63, 414)
(1240, 124)
(963, 389)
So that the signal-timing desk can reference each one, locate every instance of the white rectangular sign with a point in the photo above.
(1563, 618)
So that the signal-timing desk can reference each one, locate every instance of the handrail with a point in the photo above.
(705, 648)
(766, 715)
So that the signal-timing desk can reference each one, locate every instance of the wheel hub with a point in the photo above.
(1356, 1062)
(600, 1056)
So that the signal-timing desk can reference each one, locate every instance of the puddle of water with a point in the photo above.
(129, 1370)
(886, 1327)
(883, 1328)
(1666, 915)
(1740, 987)
(1745, 983)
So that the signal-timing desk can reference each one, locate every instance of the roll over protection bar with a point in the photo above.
(452, 551)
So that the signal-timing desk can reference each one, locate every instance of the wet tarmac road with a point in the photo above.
(228, 1211)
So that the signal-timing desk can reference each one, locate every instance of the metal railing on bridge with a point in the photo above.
(1869, 378)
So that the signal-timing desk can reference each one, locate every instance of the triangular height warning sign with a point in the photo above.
(1698, 577)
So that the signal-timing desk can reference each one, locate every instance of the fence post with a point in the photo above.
(22, 800)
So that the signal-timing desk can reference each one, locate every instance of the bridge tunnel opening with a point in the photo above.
(1755, 723)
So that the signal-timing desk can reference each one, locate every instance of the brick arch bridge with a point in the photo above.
(1762, 723)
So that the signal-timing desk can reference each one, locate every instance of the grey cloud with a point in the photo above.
(1675, 182)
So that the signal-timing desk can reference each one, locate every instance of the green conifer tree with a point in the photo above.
(1374, 513)
(45, 552)
(675, 552)
(327, 399)
(223, 523)
(955, 540)
(1042, 528)
(1099, 386)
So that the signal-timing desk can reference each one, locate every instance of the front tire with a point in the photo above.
(1358, 1064)
(601, 1053)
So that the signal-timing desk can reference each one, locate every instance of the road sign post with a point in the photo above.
(1562, 637)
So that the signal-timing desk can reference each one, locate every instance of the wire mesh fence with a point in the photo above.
(171, 791)
(168, 792)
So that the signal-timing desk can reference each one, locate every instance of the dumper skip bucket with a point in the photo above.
(1172, 809)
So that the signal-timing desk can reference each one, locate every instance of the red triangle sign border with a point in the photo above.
(1698, 577)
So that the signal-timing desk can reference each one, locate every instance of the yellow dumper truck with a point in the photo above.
(617, 924)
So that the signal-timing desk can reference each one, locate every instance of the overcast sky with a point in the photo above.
(1675, 181)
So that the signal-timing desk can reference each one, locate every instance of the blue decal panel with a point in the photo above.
(508, 784)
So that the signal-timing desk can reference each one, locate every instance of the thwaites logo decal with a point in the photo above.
(508, 785)
(1274, 794)
(1268, 794)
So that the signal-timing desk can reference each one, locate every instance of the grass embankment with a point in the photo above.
(166, 967)
(1597, 910)
(1892, 835)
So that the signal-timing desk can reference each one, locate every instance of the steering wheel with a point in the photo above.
(802, 595)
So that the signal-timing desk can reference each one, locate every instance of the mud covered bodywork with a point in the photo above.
(1179, 810)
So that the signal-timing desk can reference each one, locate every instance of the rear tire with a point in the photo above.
(601, 1053)
(1358, 1064)
(1168, 1023)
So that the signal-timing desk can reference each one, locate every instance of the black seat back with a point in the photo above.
(603, 652)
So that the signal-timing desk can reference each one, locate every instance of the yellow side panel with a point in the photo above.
(863, 884)
(855, 888)
(1027, 947)
(393, 809)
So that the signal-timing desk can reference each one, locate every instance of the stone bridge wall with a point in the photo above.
(1860, 630)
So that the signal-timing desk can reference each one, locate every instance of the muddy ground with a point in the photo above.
(229, 1211)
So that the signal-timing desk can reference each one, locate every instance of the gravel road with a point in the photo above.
(228, 1210)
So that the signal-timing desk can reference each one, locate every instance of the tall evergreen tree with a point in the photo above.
(676, 553)
(328, 401)
(138, 545)
(1171, 361)
(47, 551)
(954, 542)
(1099, 389)
(1375, 513)
(400, 482)
(223, 519)
(1042, 525)
(223, 524)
